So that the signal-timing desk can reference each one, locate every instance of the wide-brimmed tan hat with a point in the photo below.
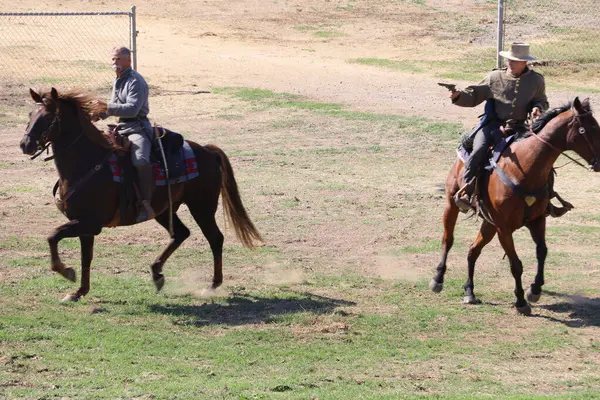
(518, 52)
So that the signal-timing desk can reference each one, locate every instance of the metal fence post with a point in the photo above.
(500, 33)
(133, 44)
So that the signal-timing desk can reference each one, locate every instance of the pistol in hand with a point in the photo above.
(450, 86)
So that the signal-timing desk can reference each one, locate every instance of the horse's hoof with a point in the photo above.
(525, 310)
(70, 274)
(532, 297)
(70, 298)
(471, 300)
(159, 283)
(435, 286)
(216, 285)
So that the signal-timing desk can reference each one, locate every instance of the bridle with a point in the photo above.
(44, 140)
(582, 131)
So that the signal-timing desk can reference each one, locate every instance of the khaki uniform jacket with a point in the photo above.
(514, 97)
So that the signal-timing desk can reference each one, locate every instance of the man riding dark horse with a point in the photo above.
(129, 102)
(515, 92)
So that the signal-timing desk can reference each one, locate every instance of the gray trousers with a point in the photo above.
(488, 136)
(140, 134)
(140, 149)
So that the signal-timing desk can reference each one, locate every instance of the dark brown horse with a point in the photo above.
(527, 164)
(91, 197)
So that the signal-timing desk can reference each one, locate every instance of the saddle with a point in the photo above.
(171, 143)
(165, 142)
(514, 132)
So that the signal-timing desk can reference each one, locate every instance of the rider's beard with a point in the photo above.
(116, 68)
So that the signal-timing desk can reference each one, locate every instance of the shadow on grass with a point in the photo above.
(580, 311)
(241, 309)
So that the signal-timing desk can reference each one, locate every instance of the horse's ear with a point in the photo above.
(586, 103)
(54, 94)
(576, 105)
(36, 97)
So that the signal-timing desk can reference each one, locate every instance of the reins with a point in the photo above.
(46, 133)
(581, 132)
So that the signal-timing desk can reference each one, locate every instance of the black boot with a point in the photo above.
(146, 179)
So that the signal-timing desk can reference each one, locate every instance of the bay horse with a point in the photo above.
(527, 164)
(81, 151)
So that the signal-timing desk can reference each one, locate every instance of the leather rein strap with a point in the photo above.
(82, 181)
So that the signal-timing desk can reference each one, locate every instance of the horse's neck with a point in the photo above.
(538, 154)
(76, 155)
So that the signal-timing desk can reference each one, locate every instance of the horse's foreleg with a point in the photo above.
(180, 233)
(85, 231)
(72, 228)
(450, 215)
(485, 235)
(449, 221)
(87, 254)
(537, 228)
(516, 267)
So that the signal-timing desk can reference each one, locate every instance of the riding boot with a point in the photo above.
(146, 179)
(464, 197)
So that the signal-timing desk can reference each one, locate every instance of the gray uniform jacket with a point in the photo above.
(129, 101)
(513, 96)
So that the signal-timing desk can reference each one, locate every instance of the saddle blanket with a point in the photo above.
(496, 152)
(191, 168)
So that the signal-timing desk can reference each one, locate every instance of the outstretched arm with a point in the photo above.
(472, 95)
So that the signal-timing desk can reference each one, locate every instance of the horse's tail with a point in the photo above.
(245, 230)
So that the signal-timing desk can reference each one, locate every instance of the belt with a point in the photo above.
(131, 119)
(512, 121)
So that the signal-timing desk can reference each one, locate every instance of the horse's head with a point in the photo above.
(583, 136)
(44, 121)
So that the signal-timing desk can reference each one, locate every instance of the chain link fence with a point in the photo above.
(561, 32)
(66, 50)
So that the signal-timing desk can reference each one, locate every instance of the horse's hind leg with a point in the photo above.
(211, 231)
(485, 235)
(180, 233)
(537, 228)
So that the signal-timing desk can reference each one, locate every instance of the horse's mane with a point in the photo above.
(82, 103)
(543, 120)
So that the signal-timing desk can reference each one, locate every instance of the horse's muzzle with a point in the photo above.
(28, 146)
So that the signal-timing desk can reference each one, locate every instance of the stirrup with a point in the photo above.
(146, 212)
(464, 205)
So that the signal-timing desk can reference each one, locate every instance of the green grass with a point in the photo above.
(334, 305)
(328, 34)
(260, 99)
(406, 66)
(126, 340)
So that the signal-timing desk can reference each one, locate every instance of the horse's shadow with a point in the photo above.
(579, 311)
(242, 309)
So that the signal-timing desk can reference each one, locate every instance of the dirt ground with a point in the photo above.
(200, 45)
(377, 216)
(262, 44)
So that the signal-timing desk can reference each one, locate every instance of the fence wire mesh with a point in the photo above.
(560, 32)
(67, 50)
